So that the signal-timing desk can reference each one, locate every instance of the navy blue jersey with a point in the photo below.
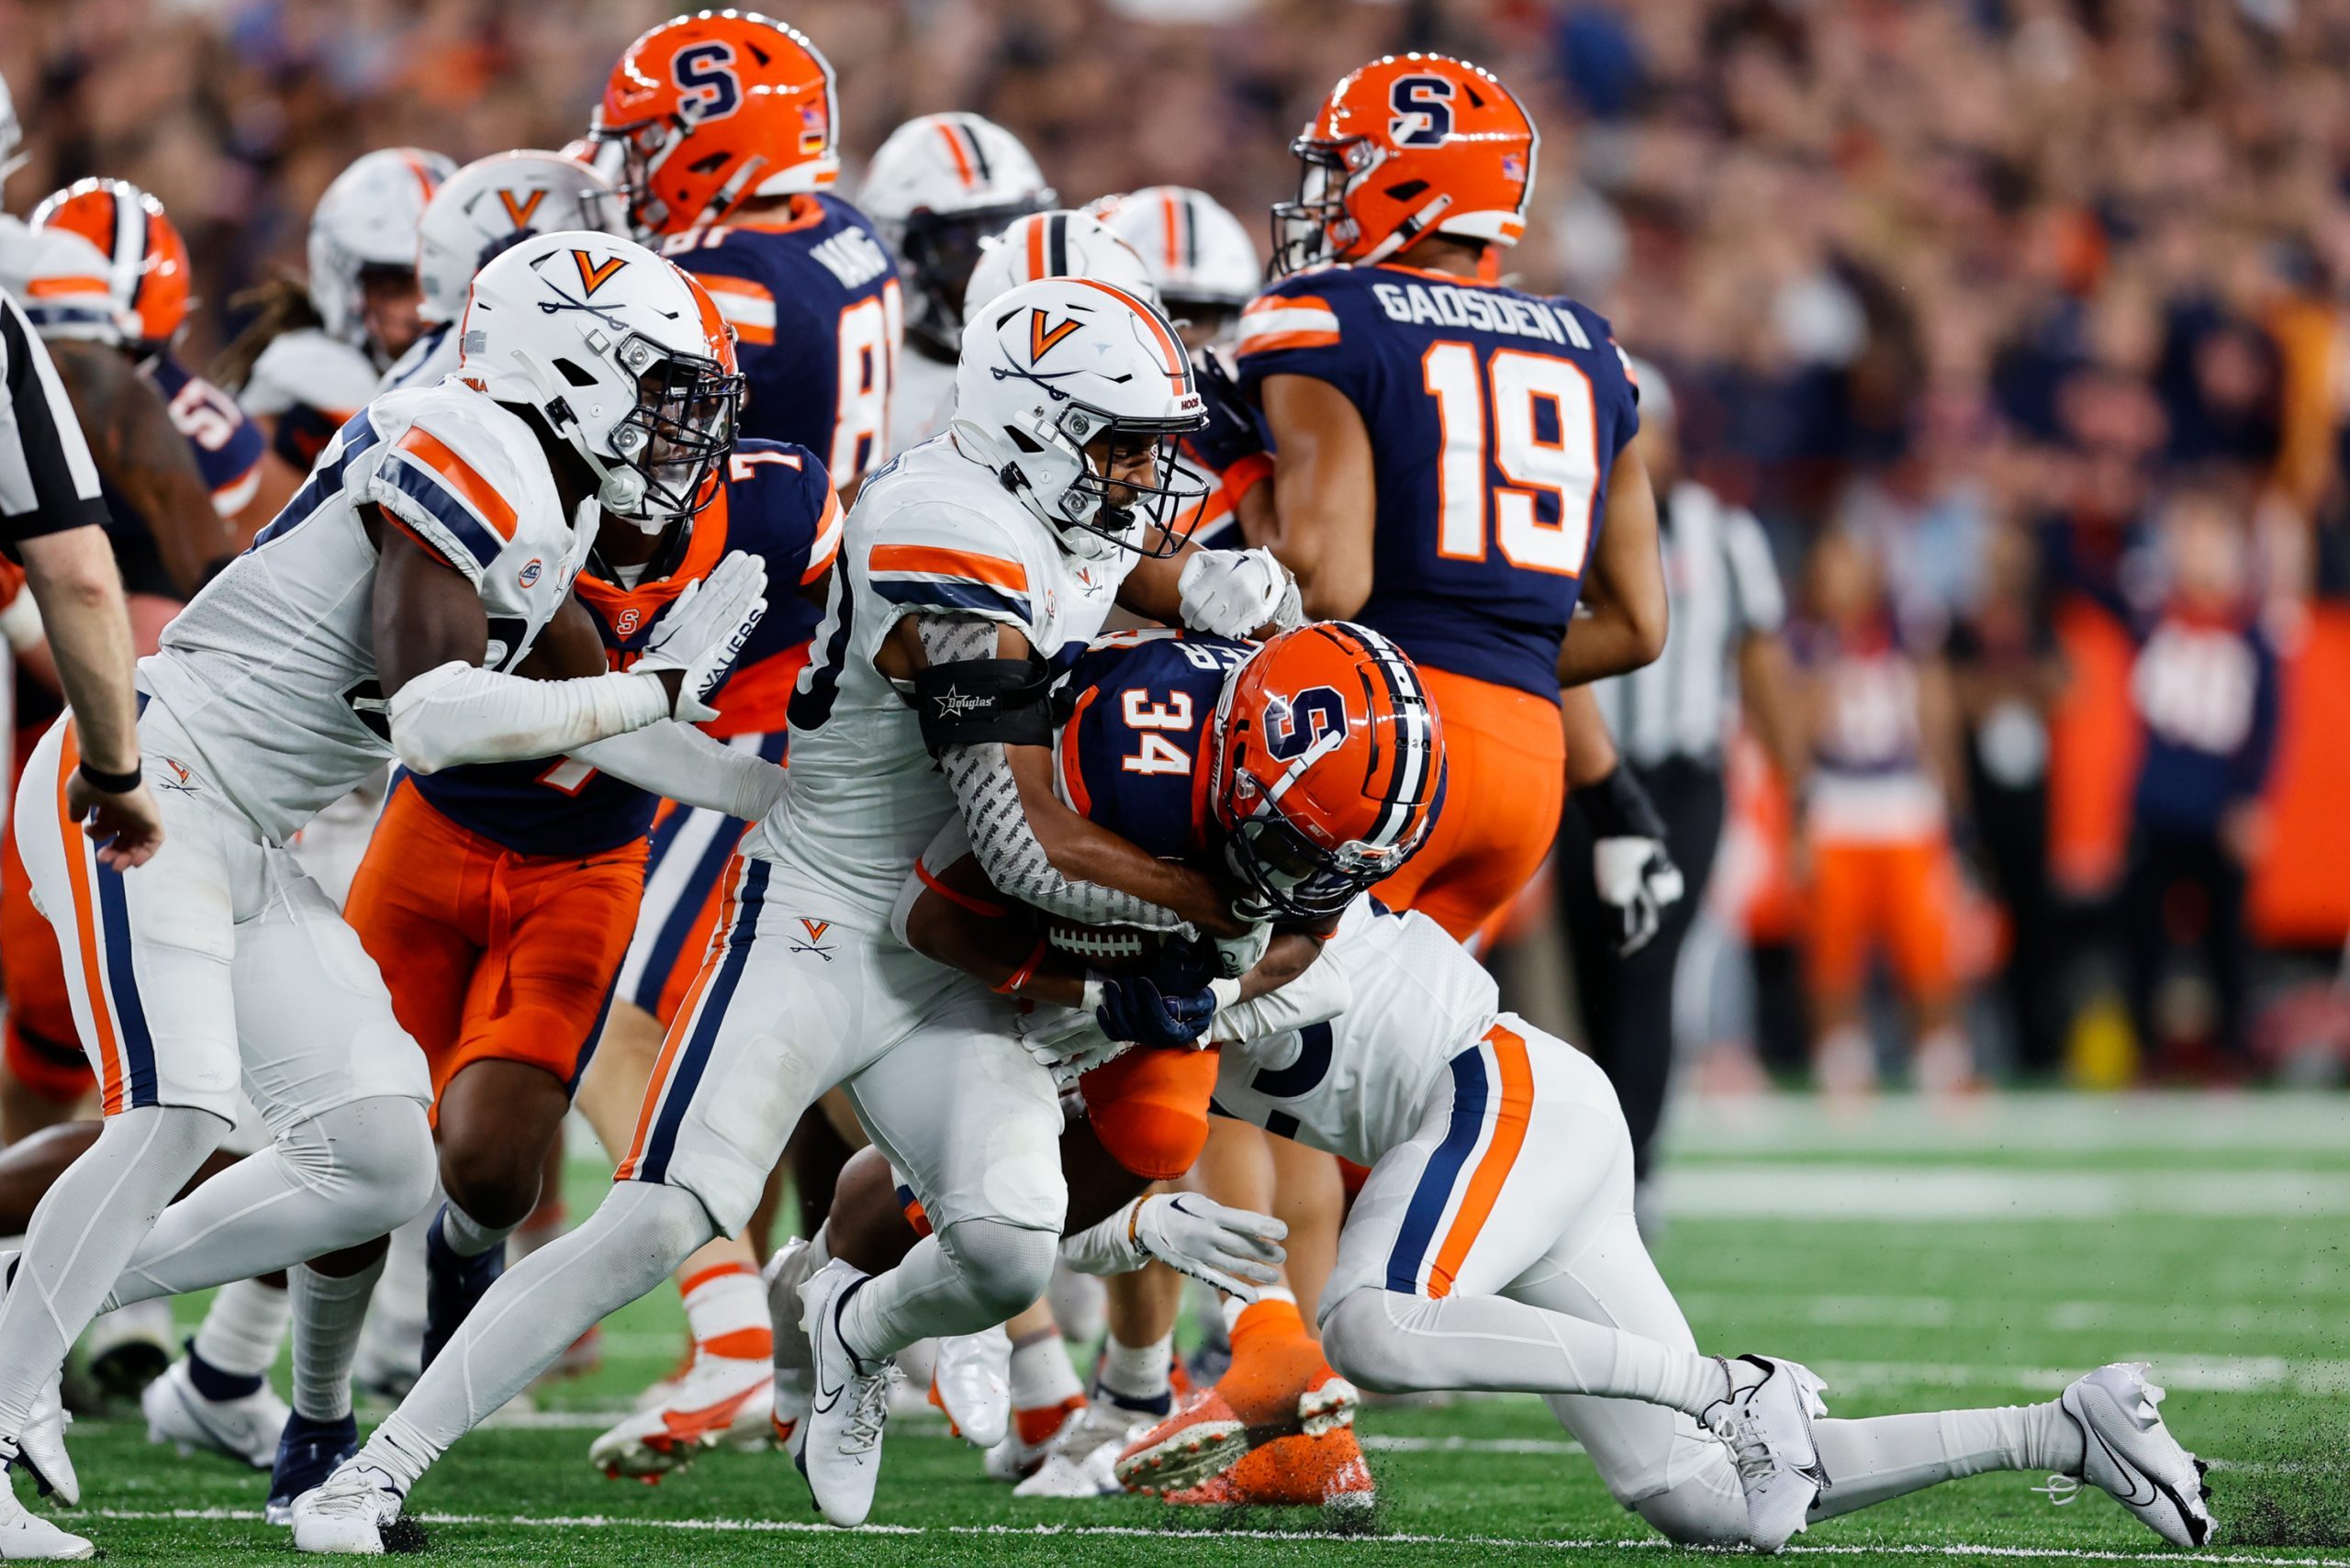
(2208, 689)
(1135, 708)
(228, 449)
(779, 504)
(814, 303)
(1494, 418)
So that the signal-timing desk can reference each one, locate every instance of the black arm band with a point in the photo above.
(113, 783)
(1619, 807)
(974, 702)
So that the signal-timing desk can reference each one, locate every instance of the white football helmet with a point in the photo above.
(367, 219)
(1055, 244)
(936, 189)
(1053, 366)
(1200, 255)
(494, 203)
(61, 281)
(622, 356)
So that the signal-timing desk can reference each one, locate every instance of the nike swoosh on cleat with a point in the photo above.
(2137, 1476)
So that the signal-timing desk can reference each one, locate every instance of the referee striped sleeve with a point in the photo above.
(48, 482)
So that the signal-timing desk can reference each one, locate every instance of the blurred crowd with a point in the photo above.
(2018, 324)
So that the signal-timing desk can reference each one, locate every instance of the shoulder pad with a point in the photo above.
(308, 367)
(780, 502)
(1295, 313)
(60, 278)
(939, 556)
(465, 475)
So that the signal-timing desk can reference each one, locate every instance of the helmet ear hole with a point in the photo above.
(1021, 439)
(1407, 190)
(573, 374)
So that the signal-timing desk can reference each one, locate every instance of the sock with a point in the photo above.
(89, 1223)
(328, 1314)
(467, 1236)
(727, 1310)
(1137, 1377)
(1270, 1319)
(1044, 1385)
(1885, 1456)
(1394, 1343)
(1944, 1063)
(638, 1234)
(239, 1340)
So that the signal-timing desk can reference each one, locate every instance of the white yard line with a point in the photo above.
(1139, 1532)
(1711, 1126)
(2142, 1319)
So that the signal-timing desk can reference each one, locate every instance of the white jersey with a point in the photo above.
(271, 669)
(429, 360)
(59, 280)
(933, 533)
(308, 369)
(922, 401)
(1359, 1085)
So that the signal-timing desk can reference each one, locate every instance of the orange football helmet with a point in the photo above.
(1411, 144)
(148, 275)
(1329, 769)
(712, 109)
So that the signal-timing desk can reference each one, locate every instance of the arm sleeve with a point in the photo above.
(1001, 838)
(1318, 995)
(456, 714)
(681, 763)
(1109, 1248)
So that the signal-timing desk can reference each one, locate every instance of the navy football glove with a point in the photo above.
(1134, 1009)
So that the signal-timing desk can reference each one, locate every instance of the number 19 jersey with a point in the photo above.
(1494, 416)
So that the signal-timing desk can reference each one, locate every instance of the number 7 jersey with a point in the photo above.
(1494, 416)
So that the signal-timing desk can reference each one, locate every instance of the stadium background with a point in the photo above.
(1994, 285)
(1991, 284)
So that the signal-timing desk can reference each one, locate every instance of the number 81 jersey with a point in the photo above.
(1494, 416)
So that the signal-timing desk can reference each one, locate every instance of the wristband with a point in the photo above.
(113, 783)
(1027, 969)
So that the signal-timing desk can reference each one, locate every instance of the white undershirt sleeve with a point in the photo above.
(457, 714)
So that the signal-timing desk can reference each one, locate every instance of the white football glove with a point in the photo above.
(1636, 878)
(1068, 1040)
(1233, 593)
(1236, 1251)
(1235, 956)
(703, 630)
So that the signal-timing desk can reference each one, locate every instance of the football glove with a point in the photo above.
(1132, 1008)
(1630, 867)
(1235, 593)
(1236, 1251)
(703, 630)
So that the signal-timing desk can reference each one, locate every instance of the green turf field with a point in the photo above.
(1915, 1262)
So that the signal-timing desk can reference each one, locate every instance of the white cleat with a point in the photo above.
(1768, 1428)
(40, 1447)
(348, 1514)
(973, 1375)
(28, 1538)
(245, 1428)
(794, 1364)
(1083, 1461)
(2133, 1455)
(722, 1402)
(840, 1441)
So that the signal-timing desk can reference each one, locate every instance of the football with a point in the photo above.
(1116, 949)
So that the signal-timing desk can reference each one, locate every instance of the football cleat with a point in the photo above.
(245, 1428)
(40, 1447)
(309, 1453)
(1033, 1431)
(971, 1380)
(1081, 1460)
(1324, 1471)
(840, 1440)
(347, 1513)
(1196, 1444)
(1768, 1428)
(2132, 1454)
(28, 1538)
(725, 1401)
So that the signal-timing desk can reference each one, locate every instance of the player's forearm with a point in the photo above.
(682, 764)
(79, 591)
(1315, 996)
(1607, 643)
(456, 714)
(1081, 876)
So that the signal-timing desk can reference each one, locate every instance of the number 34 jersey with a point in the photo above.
(1495, 417)
(271, 669)
(814, 302)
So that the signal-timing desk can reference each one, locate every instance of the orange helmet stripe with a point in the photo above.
(1170, 348)
(947, 130)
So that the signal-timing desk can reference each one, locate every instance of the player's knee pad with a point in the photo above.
(1005, 1268)
(1700, 1511)
(373, 1157)
(1364, 1344)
